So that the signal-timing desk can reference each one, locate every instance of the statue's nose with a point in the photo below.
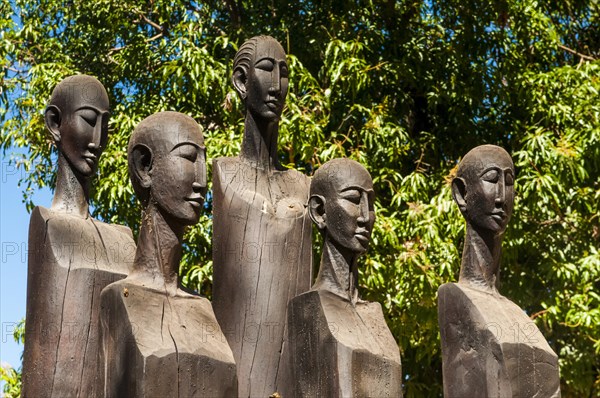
(275, 87)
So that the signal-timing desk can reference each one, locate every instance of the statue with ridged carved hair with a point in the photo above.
(262, 234)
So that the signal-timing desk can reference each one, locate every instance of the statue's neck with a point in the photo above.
(481, 259)
(259, 146)
(338, 272)
(72, 190)
(158, 252)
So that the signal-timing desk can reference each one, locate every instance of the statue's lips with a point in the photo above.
(499, 215)
(90, 159)
(273, 105)
(196, 201)
(362, 236)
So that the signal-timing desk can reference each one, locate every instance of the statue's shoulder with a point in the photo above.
(42, 214)
(59, 219)
(296, 181)
(230, 170)
(128, 294)
(38, 227)
(461, 291)
(448, 290)
(296, 176)
(115, 289)
(52, 224)
(457, 301)
(372, 308)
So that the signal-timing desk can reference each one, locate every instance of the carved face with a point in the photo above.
(490, 192)
(349, 208)
(267, 81)
(179, 174)
(83, 128)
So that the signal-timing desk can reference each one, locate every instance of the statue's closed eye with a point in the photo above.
(353, 196)
(491, 176)
(89, 116)
(265, 64)
(186, 151)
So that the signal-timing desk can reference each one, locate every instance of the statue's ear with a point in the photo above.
(459, 193)
(239, 81)
(142, 164)
(53, 119)
(316, 211)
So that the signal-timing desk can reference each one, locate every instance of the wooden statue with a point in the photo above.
(72, 256)
(340, 345)
(262, 235)
(490, 347)
(159, 340)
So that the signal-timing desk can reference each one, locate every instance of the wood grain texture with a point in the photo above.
(491, 348)
(155, 345)
(71, 260)
(262, 258)
(337, 349)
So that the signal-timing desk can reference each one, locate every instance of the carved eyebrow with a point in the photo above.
(357, 188)
(265, 58)
(189, 143)
(92, 108)
(506, 169)
(283, 61)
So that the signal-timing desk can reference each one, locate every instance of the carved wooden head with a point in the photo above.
(484, 188)
(341, 203)
(77, 117)
(167, 165)
(260, 76)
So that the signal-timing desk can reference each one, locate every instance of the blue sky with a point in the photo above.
(14, 225)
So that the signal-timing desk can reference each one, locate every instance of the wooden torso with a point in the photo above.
(491, 348)
(262, 258)
(156, 345)
(70, 261)
(340, 350)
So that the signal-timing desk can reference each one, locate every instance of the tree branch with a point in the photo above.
(542, 312)
(582, 56)
(149, 22)
(13, 69)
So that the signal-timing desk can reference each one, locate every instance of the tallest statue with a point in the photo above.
(262, 233)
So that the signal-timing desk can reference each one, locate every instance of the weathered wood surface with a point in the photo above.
(491, 348)
(337, 349)
(262, 258)
(158, 340)
(155, 345)
(71, 260)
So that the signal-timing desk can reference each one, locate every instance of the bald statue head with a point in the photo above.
(341, 204)
(77, 118)
(167, 165)
(484, 188)
(260, 76)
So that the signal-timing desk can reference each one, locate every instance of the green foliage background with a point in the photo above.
(404, 87)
